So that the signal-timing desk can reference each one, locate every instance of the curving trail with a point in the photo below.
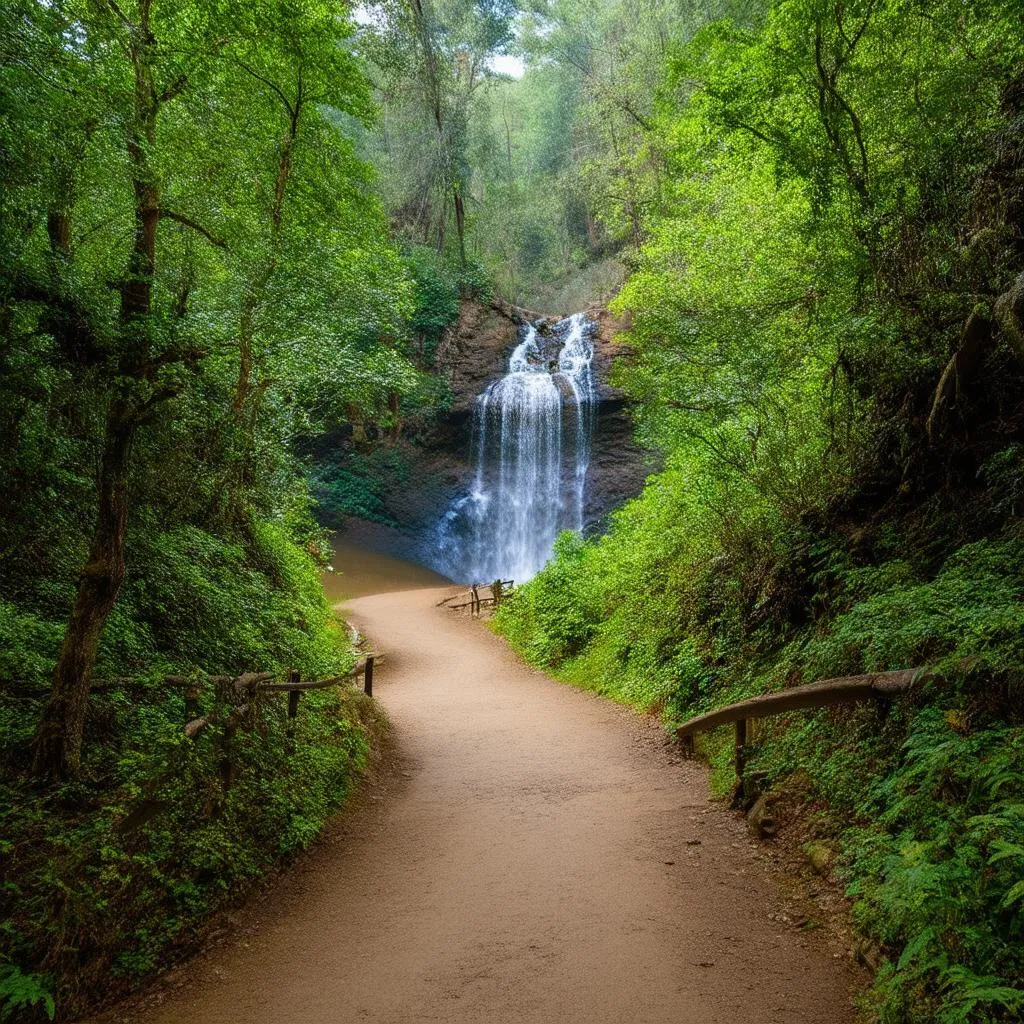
(536, 862)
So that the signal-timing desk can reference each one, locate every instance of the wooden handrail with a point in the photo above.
(249, 684)
(358, 669)
(842, 690)
(259, 682)
(310, 684)
(472, 604)
(500, 589)
(106, 683)
(479, 586)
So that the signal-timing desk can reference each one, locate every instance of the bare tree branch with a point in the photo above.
(190, 223)
(176, 88)
(113, 7)
(268, 83)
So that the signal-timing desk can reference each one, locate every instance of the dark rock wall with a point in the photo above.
(618, 467)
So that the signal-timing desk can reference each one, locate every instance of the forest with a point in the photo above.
(231, 228)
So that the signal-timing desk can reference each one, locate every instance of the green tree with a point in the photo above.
(432, 59)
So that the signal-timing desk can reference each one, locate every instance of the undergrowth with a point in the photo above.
(355, 483)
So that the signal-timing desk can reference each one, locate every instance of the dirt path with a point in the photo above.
(543, 857)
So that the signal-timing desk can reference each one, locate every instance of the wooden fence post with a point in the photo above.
(293, 710)
(192, 702)
(496, 590)
(474, 601)
(741, 743)
(368, 677)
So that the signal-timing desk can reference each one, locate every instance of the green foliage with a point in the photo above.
(548, 621)
(356, 483)
(432, 64)
(103, 909)
(556, 169)
(971, 612)
(217, 607)
(437, 298)
(438, 285)
(106, 909)
(19, 992)
(937, 872)
(474, 280)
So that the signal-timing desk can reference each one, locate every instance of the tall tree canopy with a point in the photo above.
(187, 235)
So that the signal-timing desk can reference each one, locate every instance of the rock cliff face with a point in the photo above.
(475, 349)
(473, 353)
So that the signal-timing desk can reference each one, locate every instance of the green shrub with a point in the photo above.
(549, 620)
(20, 993)
(972, 609)
(937, 871)
(103, 910)
(357, 484)
(436, 297)
(87, 911)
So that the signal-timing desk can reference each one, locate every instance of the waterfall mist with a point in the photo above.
(530, 448)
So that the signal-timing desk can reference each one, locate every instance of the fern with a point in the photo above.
(21, 992)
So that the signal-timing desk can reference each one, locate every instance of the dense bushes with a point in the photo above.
(935, 865)
(222, 577)
(89, 911)
(438, 284)
(350, 482)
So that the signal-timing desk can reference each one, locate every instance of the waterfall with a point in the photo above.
(530, 448)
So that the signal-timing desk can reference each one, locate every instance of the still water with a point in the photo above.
(359, 572)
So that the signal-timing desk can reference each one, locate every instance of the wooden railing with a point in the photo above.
(473, 599)
(247, 689)
(252, 684)
(843, 690)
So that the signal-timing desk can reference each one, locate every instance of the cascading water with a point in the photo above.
(531, 449)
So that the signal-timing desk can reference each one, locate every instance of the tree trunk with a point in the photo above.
(975, 341)
(433, 88)
(246, 332)
(460, 224)
(58, 228)
(256, 293)
(395, 408)
(58, 742)
(58, 216)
